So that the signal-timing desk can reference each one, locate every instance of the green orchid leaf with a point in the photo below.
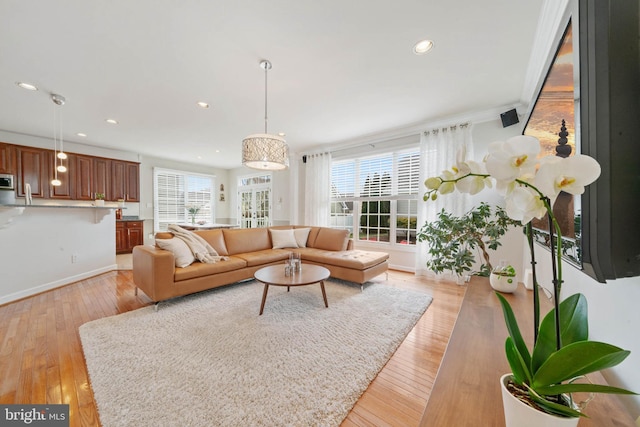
(574, 326)
(555, 408)
(520, 370)
(514, 330)
(580, 388)
(579, 358)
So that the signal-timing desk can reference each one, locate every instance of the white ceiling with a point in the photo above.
(342, 69)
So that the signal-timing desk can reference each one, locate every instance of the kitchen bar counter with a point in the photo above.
(57, 206)
(207, 226)
(9, 211)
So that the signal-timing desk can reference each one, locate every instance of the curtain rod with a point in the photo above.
(446, 128)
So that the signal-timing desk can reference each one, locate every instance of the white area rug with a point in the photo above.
(210, 360)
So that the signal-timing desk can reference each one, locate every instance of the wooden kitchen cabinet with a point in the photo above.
(32, 169)
(85, 176)
(102, 177)
(82, 176)
(125, 181)
(7, 158)
(128, 235)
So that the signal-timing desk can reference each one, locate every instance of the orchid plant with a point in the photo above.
(561, 351)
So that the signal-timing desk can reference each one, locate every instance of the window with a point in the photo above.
(177, 191)
(376, 197)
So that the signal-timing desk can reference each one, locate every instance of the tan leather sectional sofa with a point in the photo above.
(247, 250)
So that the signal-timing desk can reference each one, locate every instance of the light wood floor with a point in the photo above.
(41, 358)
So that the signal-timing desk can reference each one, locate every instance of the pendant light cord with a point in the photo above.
(266, 68)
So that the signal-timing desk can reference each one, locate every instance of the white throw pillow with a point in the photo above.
(180, 250)
(283, 239)
(302, 234)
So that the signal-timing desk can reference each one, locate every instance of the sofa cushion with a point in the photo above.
(332, 239)
(216, 239)
(200, 269)
(181, 252)
(358, 260)
(283, 239)
(265, 257)
(243, 240)
(301, 234)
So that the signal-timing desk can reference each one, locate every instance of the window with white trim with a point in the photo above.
(376, 197)
(182, 196)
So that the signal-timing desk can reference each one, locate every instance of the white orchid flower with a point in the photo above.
(570, 175)
(447, 187)
(523, 204)
(473, 184)
(512, 158)
(433, 183)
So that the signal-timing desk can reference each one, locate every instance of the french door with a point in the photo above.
(254, 207)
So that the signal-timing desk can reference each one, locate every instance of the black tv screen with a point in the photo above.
(610, 132)
(589, 103)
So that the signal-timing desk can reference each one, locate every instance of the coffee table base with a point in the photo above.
(266, 290)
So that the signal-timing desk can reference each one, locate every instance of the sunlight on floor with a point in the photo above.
(124, 261)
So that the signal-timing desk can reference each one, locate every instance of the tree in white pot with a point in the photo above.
(562, 352)
(452, 239)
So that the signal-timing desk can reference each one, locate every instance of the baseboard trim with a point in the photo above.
(402, 268)
(26, 293)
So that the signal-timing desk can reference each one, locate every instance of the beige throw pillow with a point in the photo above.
(301, 234)
(180, 250)
(283, 239)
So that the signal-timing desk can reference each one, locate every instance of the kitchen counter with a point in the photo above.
(207, 226)
(9, 211)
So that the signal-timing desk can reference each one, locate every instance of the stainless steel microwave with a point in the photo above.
(6, 182)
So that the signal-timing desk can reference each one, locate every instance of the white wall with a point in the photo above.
(36, 249)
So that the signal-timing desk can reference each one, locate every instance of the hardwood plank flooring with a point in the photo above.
(41, 358)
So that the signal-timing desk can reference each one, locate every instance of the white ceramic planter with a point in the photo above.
(518, 414)
(99, 203)
(505, 284)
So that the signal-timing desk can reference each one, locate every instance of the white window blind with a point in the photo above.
(375, 176)
(176, 191)
(343, 179)
(408, 172)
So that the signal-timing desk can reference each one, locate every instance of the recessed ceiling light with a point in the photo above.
(217, 151)
(112, 121)
(282, 134)
(422, 47)
(84, 135)
(202, 104)
(27, 86)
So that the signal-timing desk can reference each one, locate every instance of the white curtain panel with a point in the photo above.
(438, 150)
(317, 190)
